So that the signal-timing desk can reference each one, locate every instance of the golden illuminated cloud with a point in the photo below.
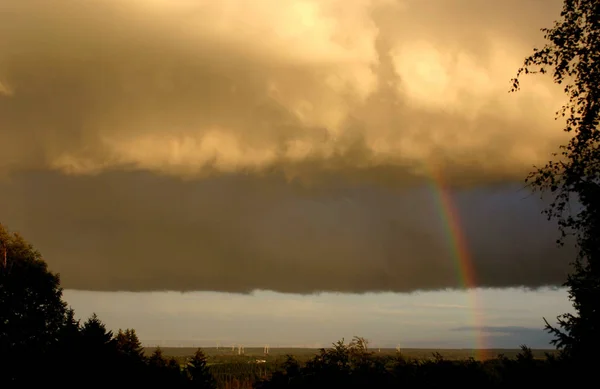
(183, 87)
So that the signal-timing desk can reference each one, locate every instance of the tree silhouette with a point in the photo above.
(572, 56)
(174, 372)
(32, 312)
(95, 333)
(132, 363)
(66, 355)
(157, 359)
(198, 371)
(129, 344)
(42, 343)
(70, 333)
(99, 346)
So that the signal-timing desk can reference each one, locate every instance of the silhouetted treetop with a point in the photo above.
(198, 372)
(32, 311)
(129, 344)
(572, 56)
(95, 332)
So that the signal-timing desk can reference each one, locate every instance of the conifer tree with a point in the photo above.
(199, 372)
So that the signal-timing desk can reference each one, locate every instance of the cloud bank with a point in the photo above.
(126, 231)
(202, 145)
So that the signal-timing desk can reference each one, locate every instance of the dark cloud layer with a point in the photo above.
(204, 145)
(138, 231)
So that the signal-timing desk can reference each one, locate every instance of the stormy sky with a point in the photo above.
(277, 145)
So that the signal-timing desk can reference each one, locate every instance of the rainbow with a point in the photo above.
(460, 252)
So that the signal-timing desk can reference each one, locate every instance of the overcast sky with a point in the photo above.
(503, 318)
(291, 146)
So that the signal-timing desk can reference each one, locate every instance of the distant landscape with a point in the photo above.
(234, 368)
(223, 354)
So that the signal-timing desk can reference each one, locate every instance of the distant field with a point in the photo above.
(223, 354)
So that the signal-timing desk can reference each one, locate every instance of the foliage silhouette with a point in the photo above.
(129, 344)
(572, 56)
(353, 366)
(198, 372)
(32, 312)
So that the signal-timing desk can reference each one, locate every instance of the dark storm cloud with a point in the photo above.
(138, 231)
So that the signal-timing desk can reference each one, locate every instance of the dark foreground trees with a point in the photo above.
(353, 366)
(41, 342)
(572, 57)
(32, 312)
